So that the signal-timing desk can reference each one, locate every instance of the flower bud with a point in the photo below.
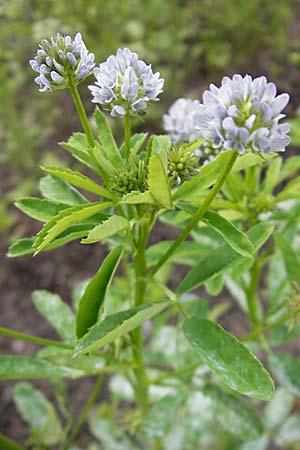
(61, 61)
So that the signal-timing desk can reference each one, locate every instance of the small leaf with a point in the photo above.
(59, 191)
(279, 408)
(161, 145)
(229, 359)
(107, 140)
(113, 225)
(15, 367)
(39, 413)
(207, 177)
(287, 370)
(8, 444)
(77, 179)
(291, 260)
(160, 418)
(111, 436)
(95, 292)
(136, 198)
(57, 313)
(21, 247)
(222, 258)
(234, 415)
(238, 240)
(289, 433)
(272, 176)
(158, 182)
(65, 219)
(40, 209)
(117, 325)
(78, 146)
(249, 160)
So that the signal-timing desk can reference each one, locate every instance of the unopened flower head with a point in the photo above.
(62, 60)
(179, 120)
(125, 84)
(243, 114)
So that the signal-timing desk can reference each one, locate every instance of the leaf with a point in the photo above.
(113, 225)
(207, 177)
(233, 414)
(39, 413)
(289, 433)
(64, 219)
(222, 258)
(279, 408)
(249, 160)
(21, 247)
(107, 140)
(111, 436)
(117, 325)
(40, 209)
(57, 313)
(161, 146)
(272, 176)
(291, 261)
(95, 292)
(237, 240)
(136, 198)
(77, 179)
(15, 367)
(228, 358)
(78, 146)
(59, 191)
(8, 444)
(287, 371)
(158, 182)
(159, 420)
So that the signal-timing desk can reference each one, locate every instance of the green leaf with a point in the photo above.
(289, 433)
(8, 444)
(113, 225)
(279, 408)
(136, 198)
(159, 420)
(272, 176)
(77, 179)
(161, 146)
(39, 413)
(65, 219)
(21, 247)
(117, 325)
(207, 177)
(291, 260)
(222, 258)
(40, 209)
(237, 240)
(234, 415)
(158, 182)
(251, 159)
(57, 313)
(78, 146)
(228, 358)
(107, 140)
(287, 371)
(15, 367)
(111, 436)
(95, 292)
(59, 191)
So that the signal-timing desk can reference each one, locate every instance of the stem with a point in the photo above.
(140, 268)
(199, 214)
(266, 327)
(82, 418)
(127, 131)
(8, 444)
(34, 339)
(252, 299)
(82, 114)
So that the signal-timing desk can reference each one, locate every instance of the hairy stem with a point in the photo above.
(34, 339)
(127, 131)
(199, 214)
(82, 114)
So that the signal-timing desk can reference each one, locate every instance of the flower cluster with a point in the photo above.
(179, 120)
(61, 61)
(243, 114)
(125, 84)
(183, 164)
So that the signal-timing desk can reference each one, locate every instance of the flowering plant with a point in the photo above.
(217, 178)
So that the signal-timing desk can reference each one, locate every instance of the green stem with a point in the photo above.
(127, 131)
(258, 331)
(82, 418)
(252, 299)
(199, 214)
(82, 114)
(8, 444)
(140, 268)
(34, 339)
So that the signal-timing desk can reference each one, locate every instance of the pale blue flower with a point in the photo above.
(243, 114)
(61, 60)
(179, 120)
(125, 84)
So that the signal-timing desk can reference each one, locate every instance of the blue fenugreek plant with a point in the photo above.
(177, 377)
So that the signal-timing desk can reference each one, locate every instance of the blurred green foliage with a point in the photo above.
(188, 41)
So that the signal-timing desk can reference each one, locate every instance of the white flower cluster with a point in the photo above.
(179, 120)
(61, 60)
(125, 84)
